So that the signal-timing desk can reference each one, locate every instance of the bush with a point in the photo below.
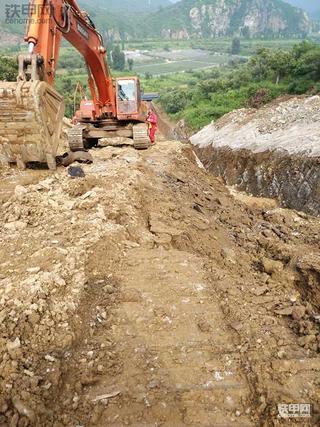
(266, 76)
(8, 68)
(175, 101)
(300, 87)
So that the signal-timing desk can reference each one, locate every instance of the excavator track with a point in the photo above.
(141, 139)
(31, 114)
(75, 138)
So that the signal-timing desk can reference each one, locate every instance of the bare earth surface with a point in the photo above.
(147, 294)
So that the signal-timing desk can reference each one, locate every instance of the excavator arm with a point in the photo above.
(50, 20)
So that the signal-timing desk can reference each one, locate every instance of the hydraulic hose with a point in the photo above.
(65, 27)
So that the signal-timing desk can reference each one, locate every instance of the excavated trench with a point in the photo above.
(271, 152)
(292, 179)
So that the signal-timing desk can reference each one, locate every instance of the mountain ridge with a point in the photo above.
(189, 18)
(212, 18)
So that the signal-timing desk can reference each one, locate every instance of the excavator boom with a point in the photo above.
(52, 20)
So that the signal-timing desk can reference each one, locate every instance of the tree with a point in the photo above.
(123, 36)
(8, 69)
(235, 47)
(280, 64)
(245, 32)
(130, 64)
(259, 64)
(118, 59)
(308, 65)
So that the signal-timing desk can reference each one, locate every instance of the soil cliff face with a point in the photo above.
(271, 152)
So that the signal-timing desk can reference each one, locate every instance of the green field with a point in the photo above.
(201, 75)
(158, 69)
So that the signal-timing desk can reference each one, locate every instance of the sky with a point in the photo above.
(309, 5)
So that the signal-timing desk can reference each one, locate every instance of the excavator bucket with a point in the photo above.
(31, 114)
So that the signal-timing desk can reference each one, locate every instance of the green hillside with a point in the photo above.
(211, 18)
(205, 19)
(183, 20)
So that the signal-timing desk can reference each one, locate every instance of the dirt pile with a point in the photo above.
(145, 294)
(273, 151)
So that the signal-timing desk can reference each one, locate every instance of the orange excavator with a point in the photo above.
(31, 111)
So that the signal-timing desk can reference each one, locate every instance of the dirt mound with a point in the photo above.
(145, 294)
(289, 125)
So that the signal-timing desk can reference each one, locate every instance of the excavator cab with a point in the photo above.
(128, 99)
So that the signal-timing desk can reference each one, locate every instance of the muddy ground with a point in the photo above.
(147, 294)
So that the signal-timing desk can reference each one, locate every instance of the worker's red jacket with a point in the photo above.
(152, 118)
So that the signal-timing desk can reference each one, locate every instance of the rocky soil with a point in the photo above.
(147, 294)
(273, 151)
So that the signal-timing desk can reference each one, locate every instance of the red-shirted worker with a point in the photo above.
(152, 125)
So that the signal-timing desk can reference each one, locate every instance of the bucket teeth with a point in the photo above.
(31, 116)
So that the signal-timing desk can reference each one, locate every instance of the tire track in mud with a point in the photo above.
(178, 358)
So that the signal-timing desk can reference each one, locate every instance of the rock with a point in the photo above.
(33, 270)
(261, 290)
(306, 340)
(109, 289)
(49, 358)
(20, 192)
(13, 345)
(131, 158)
(298, 312)
(229, 255)
(271, 266)
(23, 408)
(3, 406)
(310, 309)
(237, 326)
(204, 326)
(76, 172)
(15, 226)
(14, 419)
(153, 384)
(96, 414)
(87, 380)
(33, 318)
(284, 311)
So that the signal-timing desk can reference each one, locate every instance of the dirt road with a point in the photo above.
(146, 294)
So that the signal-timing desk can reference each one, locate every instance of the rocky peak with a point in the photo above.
(212, 18)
